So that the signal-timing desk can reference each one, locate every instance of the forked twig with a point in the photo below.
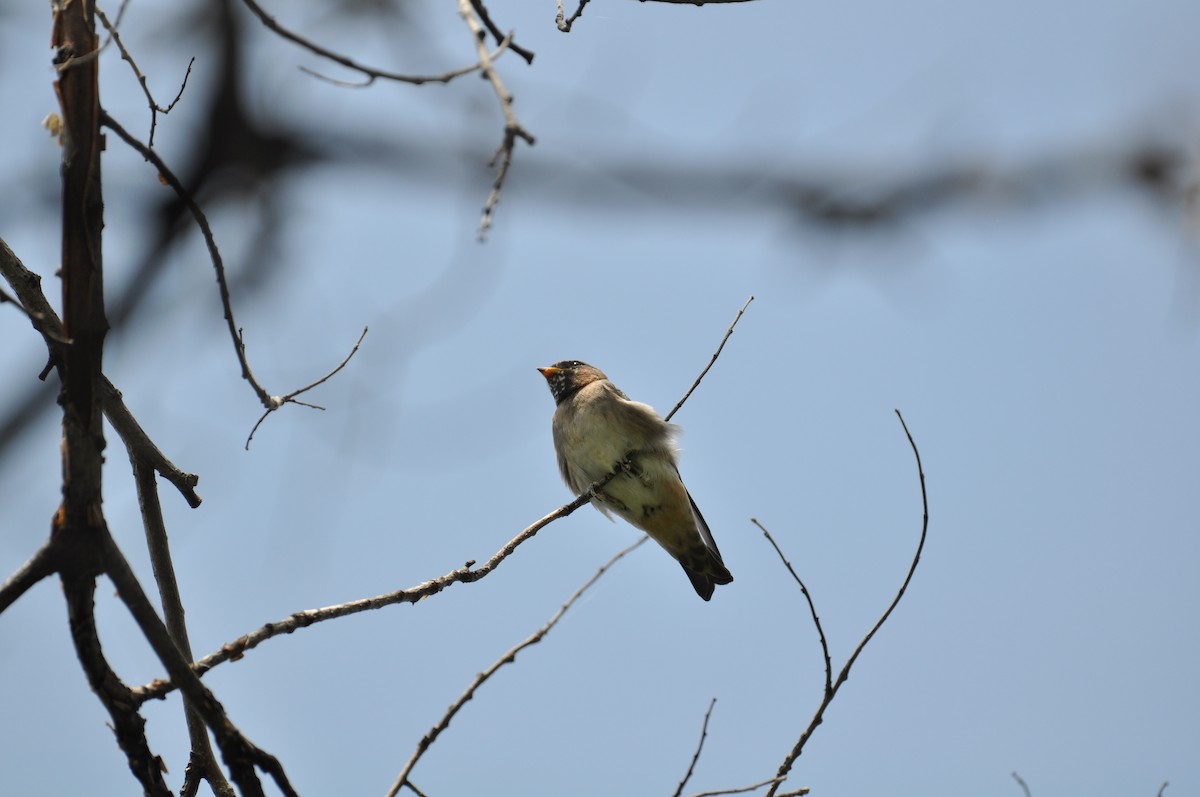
(818, 717)
(290, 398)
(155, 108)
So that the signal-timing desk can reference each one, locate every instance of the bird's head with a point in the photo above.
(568, 376)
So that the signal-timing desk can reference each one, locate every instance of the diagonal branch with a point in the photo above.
(699, 748)
(711, 362)
(232, 651)
(508, 658)
(271, 403)
(40, 565)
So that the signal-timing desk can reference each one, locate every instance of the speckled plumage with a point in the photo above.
(595, 427)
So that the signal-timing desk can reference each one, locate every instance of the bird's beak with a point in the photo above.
(549, 371)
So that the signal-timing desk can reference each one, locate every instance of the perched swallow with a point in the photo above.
(598, 429)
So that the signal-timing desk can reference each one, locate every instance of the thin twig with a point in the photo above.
(711, 362)
(202, 763)
(494, 29)
(811, 606)
(372, 74)
(1163, 788)
(699, 747)
(210, 242)
(271, 403)
(508, 658)
(818, 717)
(155, 108)
(290, 398)
(751, 787)
(1021, 782)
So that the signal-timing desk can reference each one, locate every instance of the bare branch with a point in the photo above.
(240, 754)
(512, 128)
(234, 650)
(271, 403)
(370, 72)
(139, 444)
(830, 693)
(1021, 782)
(699, 747)
(1163, 788)
(209, 240)
(508, 658)
(711, 362)
(811, 606)
(27, 285)
(290, 398)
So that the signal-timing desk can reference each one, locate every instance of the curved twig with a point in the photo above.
(831, 692)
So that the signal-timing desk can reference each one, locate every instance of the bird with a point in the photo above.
(597, 429)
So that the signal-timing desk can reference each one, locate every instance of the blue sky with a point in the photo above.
(1043, 350)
